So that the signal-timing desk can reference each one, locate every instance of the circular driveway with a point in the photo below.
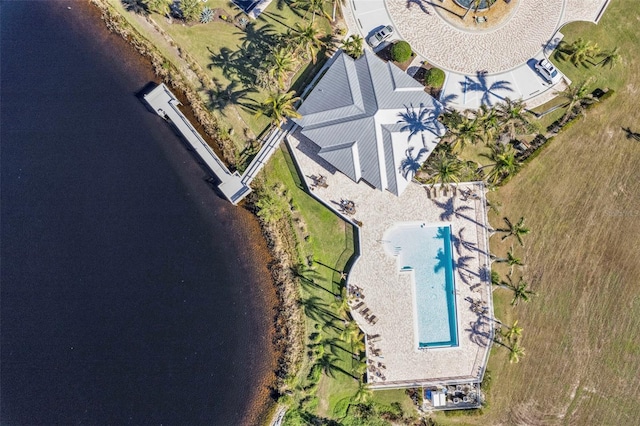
(498, 49)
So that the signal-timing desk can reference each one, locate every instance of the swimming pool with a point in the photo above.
(426, 251)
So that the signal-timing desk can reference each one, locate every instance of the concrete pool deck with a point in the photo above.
(387, 293)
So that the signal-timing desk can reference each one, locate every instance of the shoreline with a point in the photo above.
(287, 321)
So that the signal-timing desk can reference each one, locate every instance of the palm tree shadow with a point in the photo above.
(488, 90)
(422, 120)
(462, 263)
(440, 6)
(410, 164)
(479, 332)
(630, 134)
(460, 243)
(422, 4)
(447, 209)
(240, 65)
(311, 283)
(443, 261)
(275, 16)
(220, 97)
(448, 99)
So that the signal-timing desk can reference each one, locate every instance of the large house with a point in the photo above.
(371, 121)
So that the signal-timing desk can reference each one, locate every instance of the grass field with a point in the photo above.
(580, 198)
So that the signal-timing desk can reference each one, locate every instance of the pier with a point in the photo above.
(165, 104)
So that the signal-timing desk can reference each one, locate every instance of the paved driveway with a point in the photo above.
(463, 91)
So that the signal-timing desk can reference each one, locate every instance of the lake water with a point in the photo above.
(129, 290)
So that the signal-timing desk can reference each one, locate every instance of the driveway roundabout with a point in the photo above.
(483, 40)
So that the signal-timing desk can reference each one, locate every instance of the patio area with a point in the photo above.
(381, 297)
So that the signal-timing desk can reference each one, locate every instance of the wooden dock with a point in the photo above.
(165, 104)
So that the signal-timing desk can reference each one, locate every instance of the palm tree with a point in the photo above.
(307, 39)
(271, 207)
(351, 333)
(579, 52)
(511, 260)
(451, 118)
(444, 168)
(363, 394)
(518, 230)
(161, 7)
(280, 64)
(515, 353)
(609, 57)
(190, 9)
(490, 120)
(279, 106)
(495, 278)
(513, 117)
(353, 46)
(520, 291)
(504, 163)
(514, 331)
(467, 130)
(313, 6)
(578, 98)
(341, 305)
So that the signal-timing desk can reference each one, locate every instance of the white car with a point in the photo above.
(547, 71)
(380, 36)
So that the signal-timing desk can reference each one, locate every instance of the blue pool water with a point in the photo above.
(426, 250)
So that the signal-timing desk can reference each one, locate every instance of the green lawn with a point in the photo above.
(330, 246)
(231, 56)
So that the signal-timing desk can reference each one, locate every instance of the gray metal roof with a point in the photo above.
(346, 110)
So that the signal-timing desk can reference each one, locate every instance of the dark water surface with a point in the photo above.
(129, 293)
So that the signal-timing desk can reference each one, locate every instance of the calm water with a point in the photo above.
(128, 294)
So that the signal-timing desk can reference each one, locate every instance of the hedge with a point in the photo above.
(434, 78)
(401, 51)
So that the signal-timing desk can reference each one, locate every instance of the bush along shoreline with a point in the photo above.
(288, 320)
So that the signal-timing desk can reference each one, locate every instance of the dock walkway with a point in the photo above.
(165, 104)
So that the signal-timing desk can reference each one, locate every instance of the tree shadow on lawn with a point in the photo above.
(233, 94)
(241, 65)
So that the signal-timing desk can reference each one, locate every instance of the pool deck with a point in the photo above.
(387, 293)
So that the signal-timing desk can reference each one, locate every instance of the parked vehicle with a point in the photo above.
(380, 36)
(547, 71)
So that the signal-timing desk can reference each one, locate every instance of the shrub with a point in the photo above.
(401, 51)
(206, 15)
(434, 78)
